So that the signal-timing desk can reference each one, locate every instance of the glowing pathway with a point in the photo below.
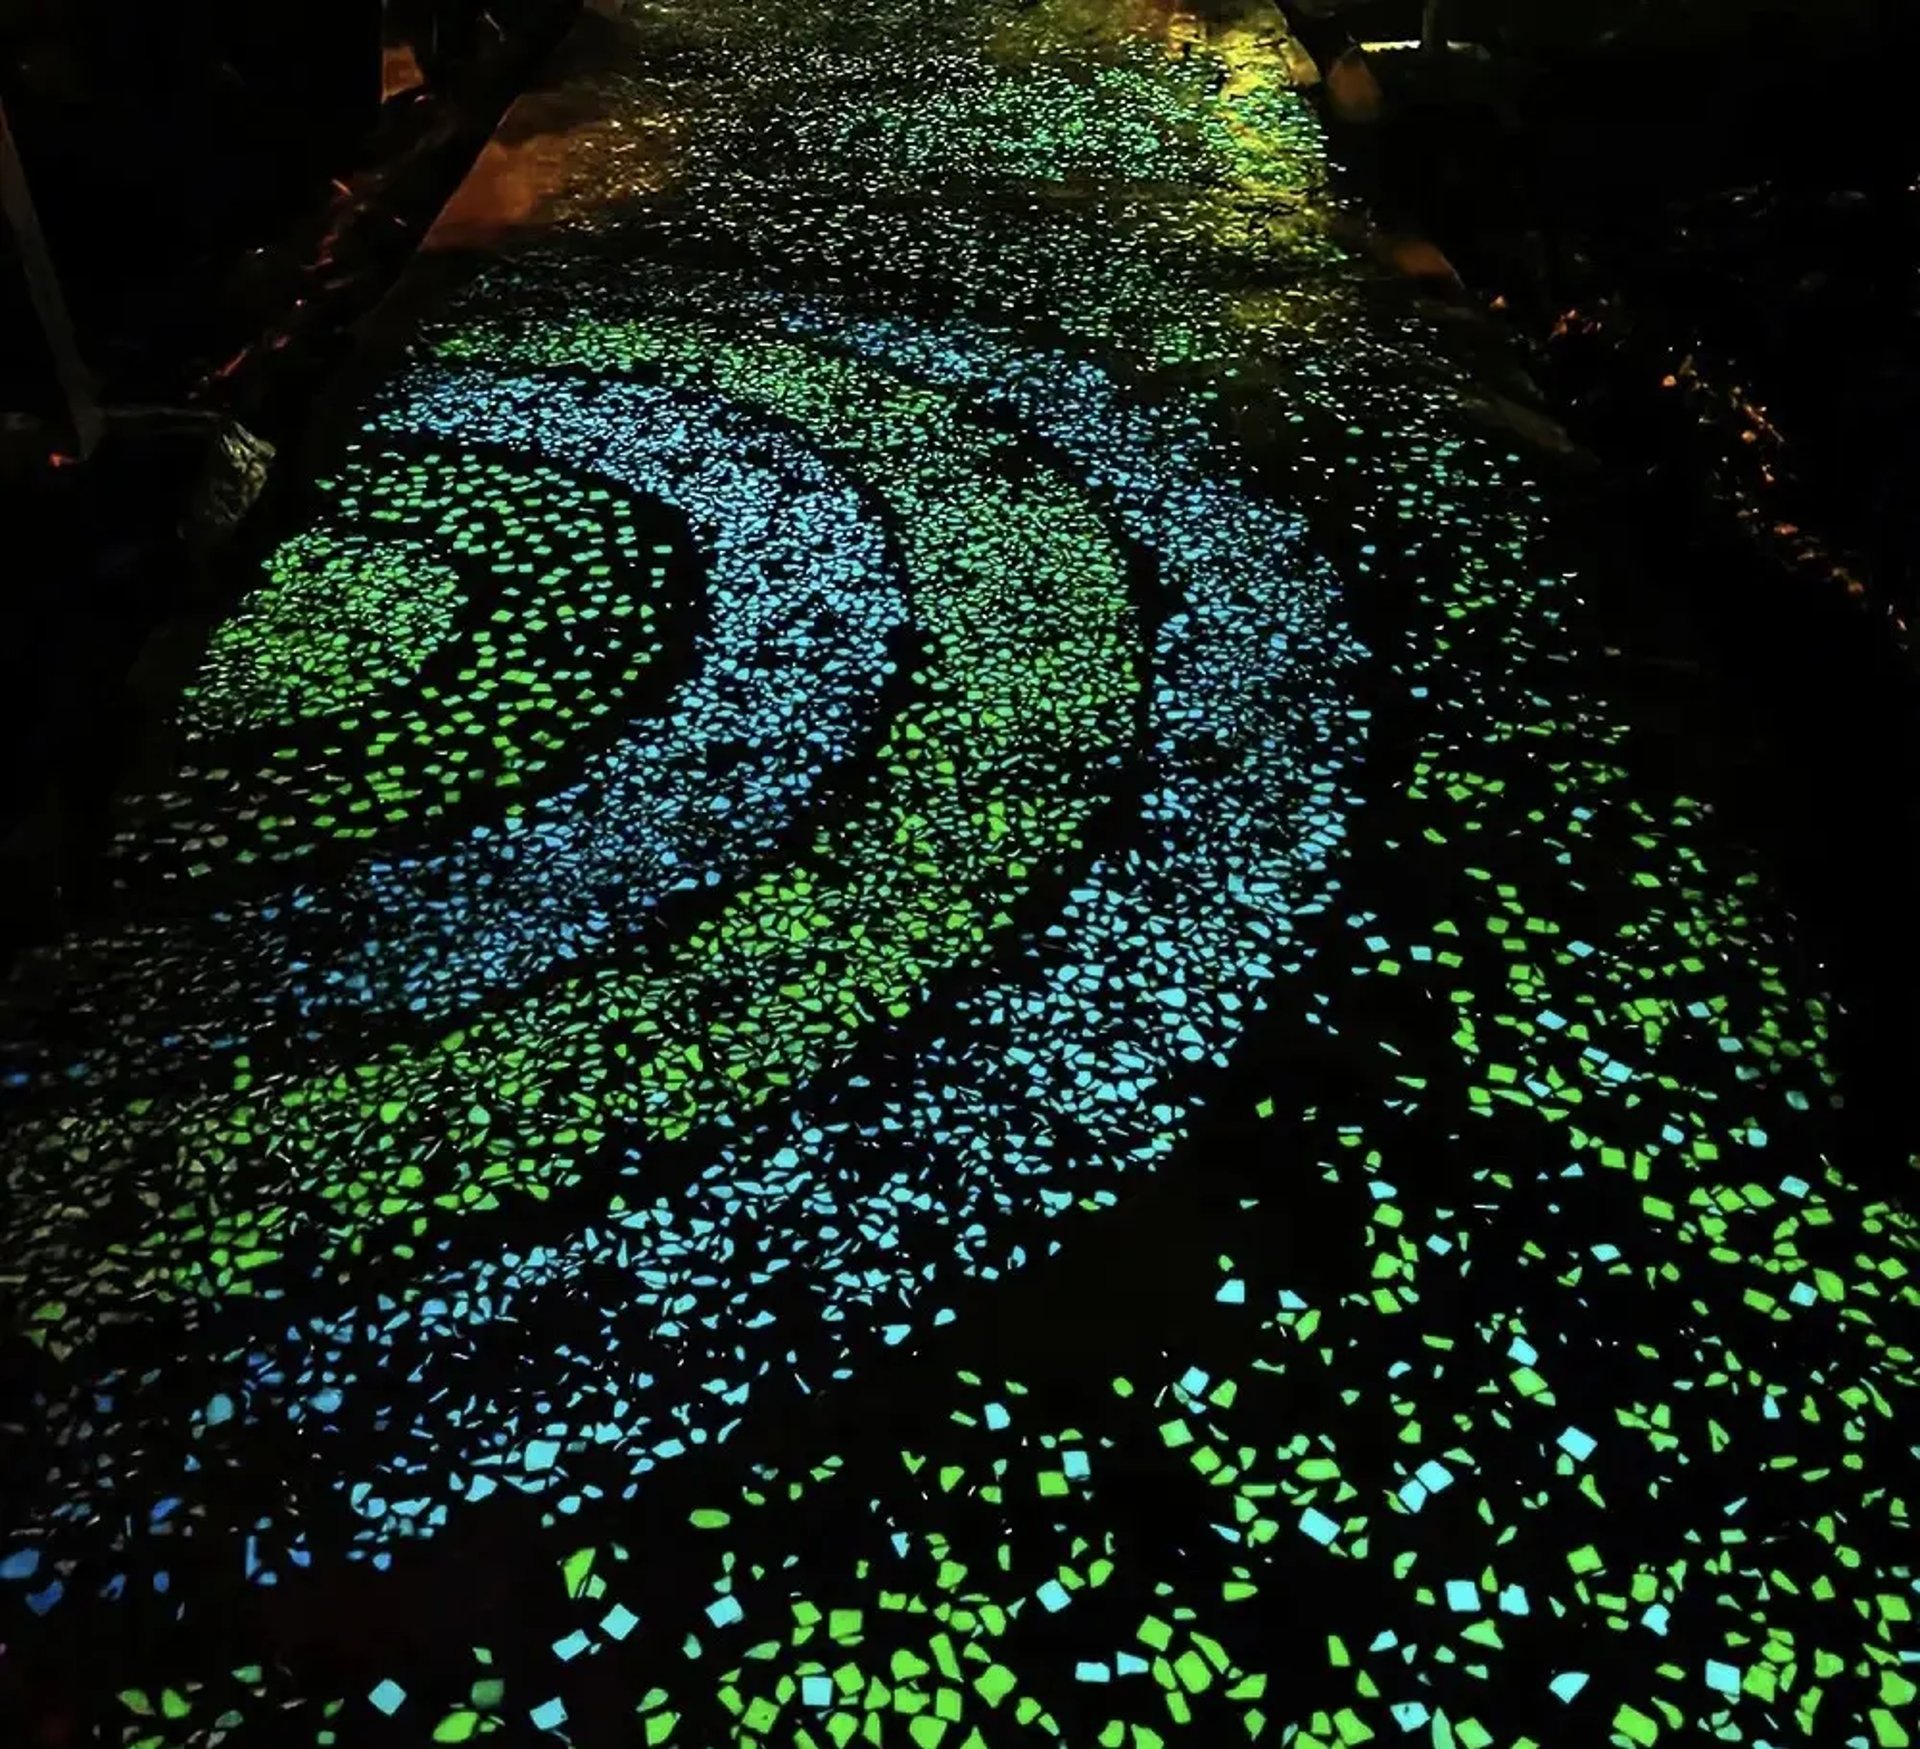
(891, 991)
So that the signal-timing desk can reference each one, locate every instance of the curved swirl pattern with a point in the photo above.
(1020, 598)
(765, 796)
(800, 604)
(513, 674)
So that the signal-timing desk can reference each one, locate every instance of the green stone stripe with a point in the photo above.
(1029, 682)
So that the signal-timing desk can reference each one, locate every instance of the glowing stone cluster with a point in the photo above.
(305, 680)
(896, 991)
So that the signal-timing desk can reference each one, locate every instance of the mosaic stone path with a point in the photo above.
(899, 985)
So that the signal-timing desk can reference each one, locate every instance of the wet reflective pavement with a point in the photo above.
(901, 985)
